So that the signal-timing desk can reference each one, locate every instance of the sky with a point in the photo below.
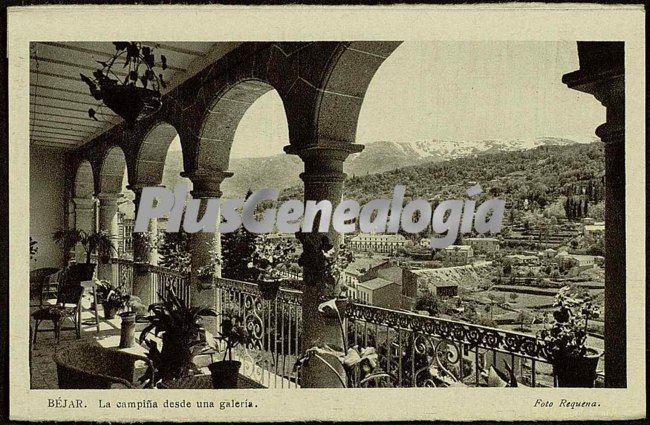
(460, 91)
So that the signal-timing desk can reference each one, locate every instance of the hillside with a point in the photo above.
(541, 175)
(282, 171)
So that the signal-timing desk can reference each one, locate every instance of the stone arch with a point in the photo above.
(348, 76)
(111, 171)
(84, 180)
(149, 161)
(221, 120)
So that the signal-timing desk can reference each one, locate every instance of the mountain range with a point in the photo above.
(282, 171)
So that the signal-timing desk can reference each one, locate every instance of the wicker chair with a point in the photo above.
(68, 306)
(87, 366)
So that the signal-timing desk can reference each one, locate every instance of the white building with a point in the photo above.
(386, 243)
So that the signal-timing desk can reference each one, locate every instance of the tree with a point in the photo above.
(429, 302)
(174, 251)
(237, 251)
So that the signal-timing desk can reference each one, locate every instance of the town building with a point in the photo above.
(482, 245)
(457, 254)
(591, 231)
(383, 243)
(380, 293)
(434, 281)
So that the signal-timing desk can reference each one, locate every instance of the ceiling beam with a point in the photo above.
(60, 99)
(85, 111)
(69, 117)
(54, 144)
(104, 54)
(42, 119)
(44, 137)
(35, 130)
(38, 86)
(51, 127)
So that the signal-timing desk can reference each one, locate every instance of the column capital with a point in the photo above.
(324, 160)
(137, 187)
(325, 149)
(207, 184)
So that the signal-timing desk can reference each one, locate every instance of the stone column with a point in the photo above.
(323, 179)
(144, 246)
(107, 223)
(204, 245)
(84, 209)
(602, 74)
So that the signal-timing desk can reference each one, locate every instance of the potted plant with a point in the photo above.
(111, 298)
(271, 263)
(136, 95)
(180, 327)
(206, 273)
(574, 364)
(225, 373)
(360, 364)
(95, 242)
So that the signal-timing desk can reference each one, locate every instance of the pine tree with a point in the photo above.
(237, 250)
(174, 251)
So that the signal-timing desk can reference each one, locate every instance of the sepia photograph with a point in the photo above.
(440, 215)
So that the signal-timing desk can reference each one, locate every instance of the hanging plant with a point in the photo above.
(135, 95)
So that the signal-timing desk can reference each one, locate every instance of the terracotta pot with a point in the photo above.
(269, 289)
(109, 311)
(577, 372)
(127, 330)
(225, 374)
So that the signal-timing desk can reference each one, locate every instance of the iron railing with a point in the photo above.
(421, 351)
(275, 328)
(417, 350)
(163, 279)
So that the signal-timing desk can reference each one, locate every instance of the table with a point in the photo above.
(204, 382)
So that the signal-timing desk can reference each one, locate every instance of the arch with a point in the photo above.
(221, 120)
(111, 171)
(84, 181)
(346, 82)
(152, 152)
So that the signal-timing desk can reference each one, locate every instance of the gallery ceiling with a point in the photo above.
(59, 100)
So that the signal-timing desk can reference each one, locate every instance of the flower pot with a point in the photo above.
(269, 289)
(577, 372)
(130, 102)
(109, 311)
(225, 374)
(127, 330)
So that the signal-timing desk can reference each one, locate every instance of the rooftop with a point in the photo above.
(376, 283)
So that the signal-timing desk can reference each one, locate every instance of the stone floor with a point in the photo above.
(43, 367)
(44, 374)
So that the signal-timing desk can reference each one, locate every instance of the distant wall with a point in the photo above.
(46, 203)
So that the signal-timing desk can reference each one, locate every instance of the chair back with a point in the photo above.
(90, 366)
(70, 294)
